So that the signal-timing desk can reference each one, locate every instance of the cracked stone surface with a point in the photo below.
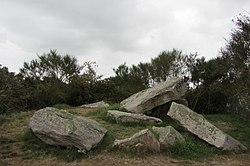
(143, 140)
(199, 126)
(172, 89)
(168, 136)
(125, 117)
(59, 127)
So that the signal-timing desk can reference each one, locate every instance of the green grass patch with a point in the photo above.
(193, 149)
(101, 113)
(116, 107)
(33, 147)
(4, 119)
(237, 128)
(6, 140)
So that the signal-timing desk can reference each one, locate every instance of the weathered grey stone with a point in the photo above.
(172, 89)
(58, 127)
(144, 140)
(168, 136)
(198, 125)
(125, 117)
(100, 104)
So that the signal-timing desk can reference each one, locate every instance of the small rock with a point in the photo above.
(168, 136)
(144, 140)
(100, 104)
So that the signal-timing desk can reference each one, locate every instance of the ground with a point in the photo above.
(12, 129)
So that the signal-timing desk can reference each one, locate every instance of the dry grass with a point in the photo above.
(111, 159)
(11, 154)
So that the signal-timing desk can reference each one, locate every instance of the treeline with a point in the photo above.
(218, 85)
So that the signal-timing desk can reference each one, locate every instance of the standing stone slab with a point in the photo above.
(198, 125)
(172, 89)
(125, 117)
(58, 127)
(144, 140)
(168, 136)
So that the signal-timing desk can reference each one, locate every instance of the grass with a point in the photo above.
(99, 113)
(102, 112)
(193, 149)
(237, 129)
(196, 149)
(3, 119)
(33, 147)
(6, 140)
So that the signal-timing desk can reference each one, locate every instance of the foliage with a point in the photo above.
(237, 54)
(52, 65)
(212, 88)
(237, 50)
(222, 84)
(218, 85)
(11, 99)
(129, 80)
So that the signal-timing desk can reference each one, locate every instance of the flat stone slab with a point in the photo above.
(126, 117)
(198, 125)
(100, 104)
(144, 140)
(168, 136)
(172, 89)
(59, 127)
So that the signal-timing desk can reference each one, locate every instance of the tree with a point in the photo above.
(223, 83)
(162, 65)
(212, 89)
(52, 65)
(237, 55)
(237, 50)
(47, 79)
(11, 98)
(128, 80)
(86, 87)
(169, 64)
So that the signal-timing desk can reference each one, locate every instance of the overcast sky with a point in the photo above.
(112, 32)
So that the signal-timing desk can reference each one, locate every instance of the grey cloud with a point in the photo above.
(113, 31)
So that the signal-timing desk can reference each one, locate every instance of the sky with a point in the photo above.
(111, 32)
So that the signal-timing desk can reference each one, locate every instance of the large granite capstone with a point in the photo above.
(59, 127)
(172, 89)
(198, 125)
